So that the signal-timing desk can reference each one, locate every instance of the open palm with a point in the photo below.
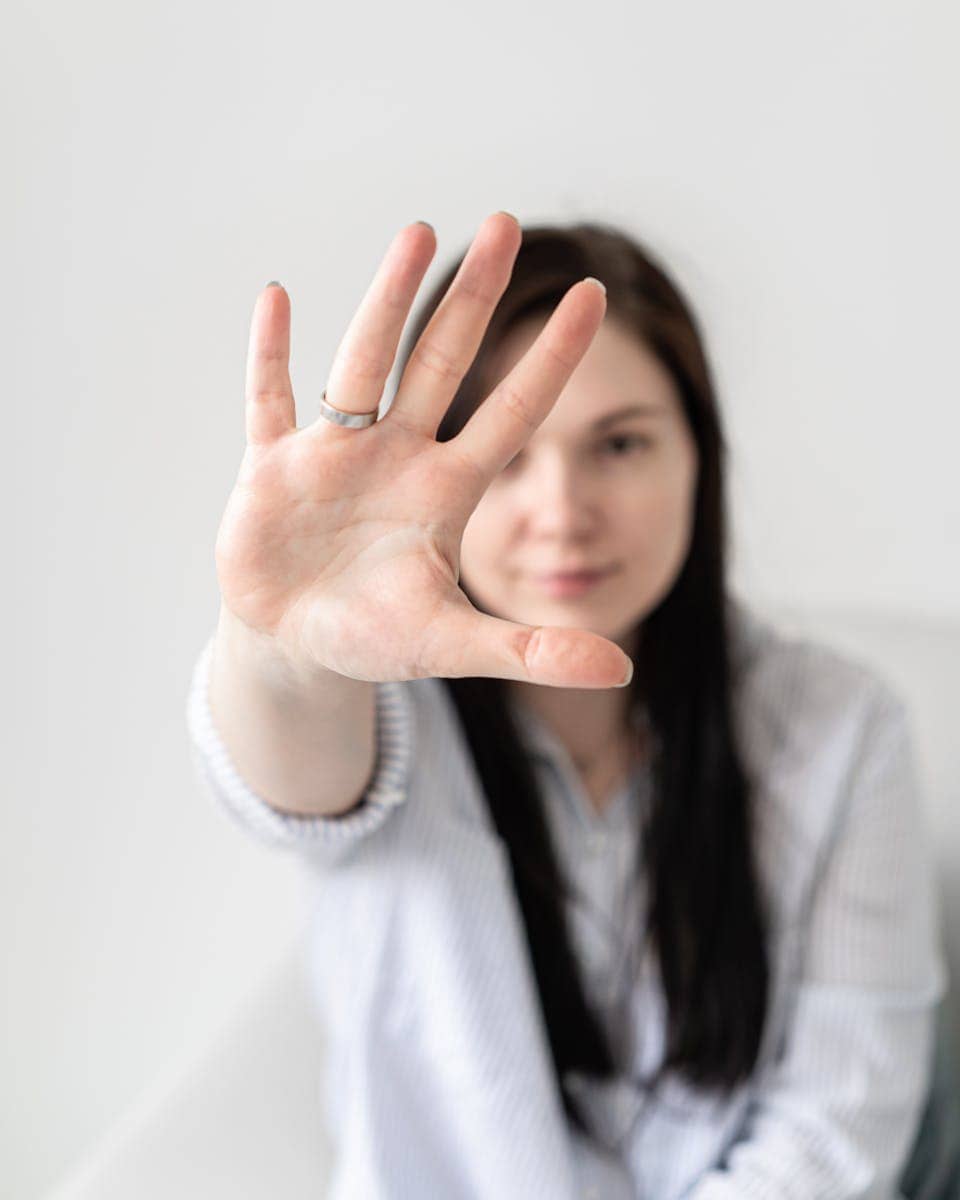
(343, 544)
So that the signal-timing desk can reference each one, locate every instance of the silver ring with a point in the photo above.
(336, 416)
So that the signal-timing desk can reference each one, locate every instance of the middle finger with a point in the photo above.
(449, 343)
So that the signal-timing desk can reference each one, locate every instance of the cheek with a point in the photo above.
(479, 546)
(661, 508)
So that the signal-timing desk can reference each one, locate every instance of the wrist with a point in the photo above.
(260, 655)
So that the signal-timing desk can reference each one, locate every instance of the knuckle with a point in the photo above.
(515, 403)
(466, 463)
(358, 364)
(527, 645)
(429, 355)
(395, 418)
(264, 395)
(475, 285)
(553, 351)
(393, 297)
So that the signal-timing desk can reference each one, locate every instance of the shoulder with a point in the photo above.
(813, 723)
(795, 690)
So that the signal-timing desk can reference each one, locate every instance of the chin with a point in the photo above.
(579, 613)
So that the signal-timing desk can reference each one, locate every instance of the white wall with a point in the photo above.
(793, 165)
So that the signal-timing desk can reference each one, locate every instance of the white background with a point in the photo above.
(796, 168)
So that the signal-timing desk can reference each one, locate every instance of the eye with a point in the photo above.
(630, 440)
(618, 443)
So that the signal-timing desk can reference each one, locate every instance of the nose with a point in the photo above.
(560, 499)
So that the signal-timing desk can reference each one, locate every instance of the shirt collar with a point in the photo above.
(542, 742)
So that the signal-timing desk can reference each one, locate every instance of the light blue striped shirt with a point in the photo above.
(439, 1080)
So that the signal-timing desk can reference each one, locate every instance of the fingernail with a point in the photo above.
(590, 279)
(508, 214)
(629, 676)
(274, 283)
(428, 225)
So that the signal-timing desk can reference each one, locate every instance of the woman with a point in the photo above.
(575, 933)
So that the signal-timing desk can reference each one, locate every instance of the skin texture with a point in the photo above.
(338, 554)
(621, 495)
(339, 548)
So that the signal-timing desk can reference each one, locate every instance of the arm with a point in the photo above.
(387, 785)
(304, 743)
(836, 1115)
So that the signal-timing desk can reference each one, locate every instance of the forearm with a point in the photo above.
(305, 743)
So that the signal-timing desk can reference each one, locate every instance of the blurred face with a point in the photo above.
(598, 486)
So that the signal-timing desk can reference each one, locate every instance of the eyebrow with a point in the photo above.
(630, 410)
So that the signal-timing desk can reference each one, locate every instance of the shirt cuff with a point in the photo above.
(387, 789)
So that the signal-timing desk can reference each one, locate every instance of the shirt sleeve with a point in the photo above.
(835, 1115)
(388, 786)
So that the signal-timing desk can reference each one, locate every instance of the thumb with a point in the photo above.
(470, 643)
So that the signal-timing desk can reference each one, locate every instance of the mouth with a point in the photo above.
(571, 583)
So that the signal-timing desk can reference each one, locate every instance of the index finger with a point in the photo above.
(516, 406)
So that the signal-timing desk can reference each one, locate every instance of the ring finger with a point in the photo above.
(366, 352)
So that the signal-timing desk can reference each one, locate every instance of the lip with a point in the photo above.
(571, 583)
(574, 573)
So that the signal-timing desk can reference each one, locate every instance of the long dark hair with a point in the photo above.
(706, 920)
